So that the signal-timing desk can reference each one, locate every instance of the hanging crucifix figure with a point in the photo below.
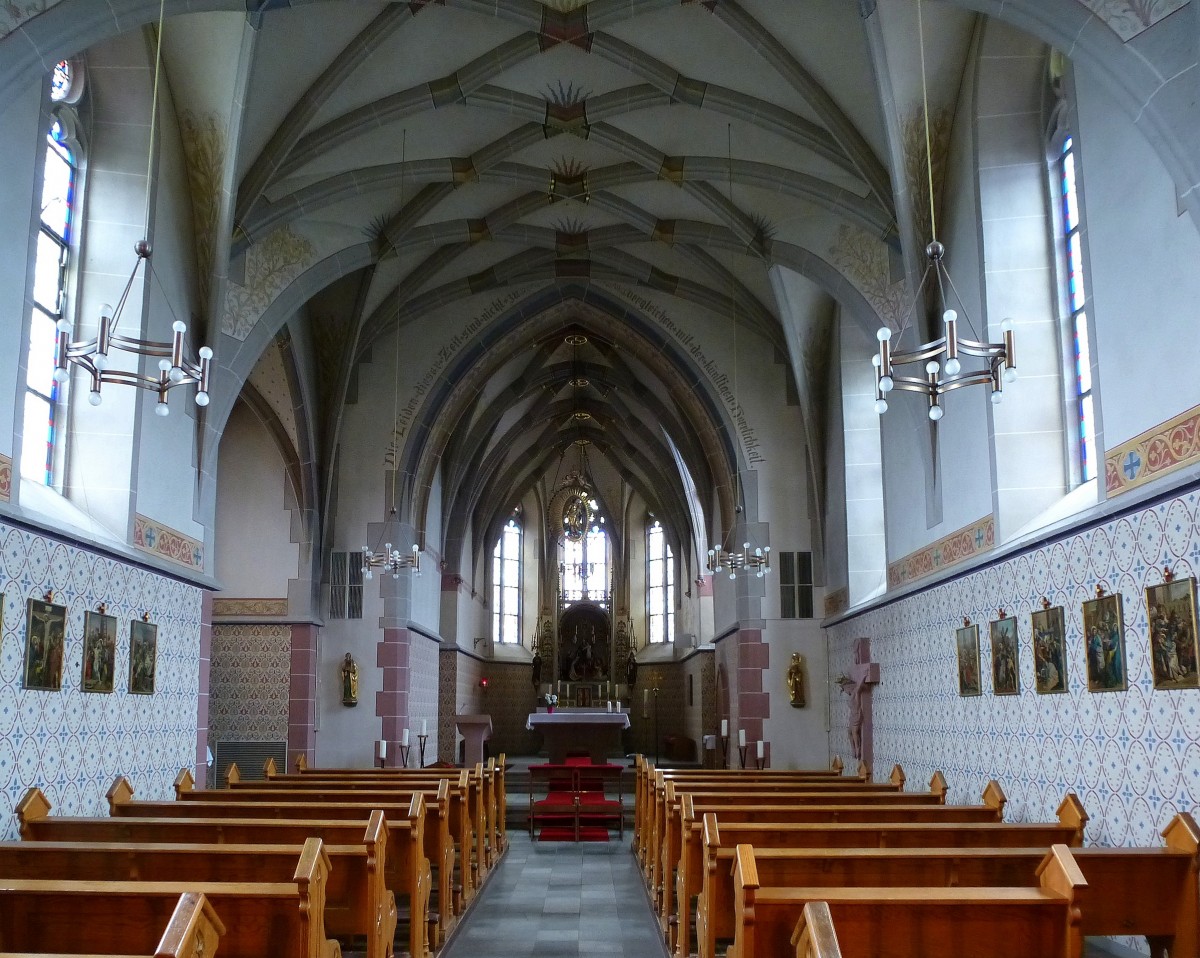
(864, 675)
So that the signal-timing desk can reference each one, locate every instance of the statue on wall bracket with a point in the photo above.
(349, 673)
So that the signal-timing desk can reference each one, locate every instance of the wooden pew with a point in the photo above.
(660, 800)
(666, 813)
(471, 820)
(648, 779)
(396, 804)
(259, 918)
(681, 829)
(193, 930)
(489, 776)
(406, 868)
(1152, 892)
(690, 866)
(715, 890)
(357, 902)
(1002, 922)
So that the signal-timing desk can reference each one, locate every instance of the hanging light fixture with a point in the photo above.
(579, 507)
(750, 559)
(943, 370)
(175, 367)
(385, 557)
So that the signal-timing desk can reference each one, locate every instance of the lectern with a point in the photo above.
(475, 729)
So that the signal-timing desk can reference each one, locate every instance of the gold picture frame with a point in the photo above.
(1171, 633)
(1104, 643)
(143, 656)
(45, 639)
(1049, 650)
(1006, 656)
(966, 640)
(99, 652)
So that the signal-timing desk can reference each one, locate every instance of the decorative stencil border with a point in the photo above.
(837, 602)
(1156, 452)
(5, 478)
(165, 542)
(950, 550)
(230, 607)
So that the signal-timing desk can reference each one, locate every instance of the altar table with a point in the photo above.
(598, 732)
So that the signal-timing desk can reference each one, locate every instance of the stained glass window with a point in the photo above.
(49, 294)
(660, 584)
(62, 81)
(1075, 293)
(506, 584)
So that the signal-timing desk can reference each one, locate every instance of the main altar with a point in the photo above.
(565, 730)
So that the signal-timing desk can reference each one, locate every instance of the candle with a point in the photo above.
(724, 728)
(424, 727)
(760, 748)
(741, 738)
(381, 749)
(404, 738)
(609, 705)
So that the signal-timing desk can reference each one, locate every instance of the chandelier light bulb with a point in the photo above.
(106, 311)
(884, 334)
(164, 365)
(60, 374)
(996, 397)
(886, 384)
(1006, 326)
(94, 397)
(204, 352)
(953, 367)
(881, 406)
(732, 574)
(949, 316)
(175, 374)
(936, 413)
(100, 361)
(161, 408)
(201, 398)
(932, 367)
(179, 326)
(1010, 374)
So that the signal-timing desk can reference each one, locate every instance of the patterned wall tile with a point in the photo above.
(1128, 18)
(250, 683)
(248, 607)
(73, 744)
(1133, 757)
(5, 479)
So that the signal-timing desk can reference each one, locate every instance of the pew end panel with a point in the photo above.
(1071, 812)
(184, 782)
(193, 931)
(815, 936)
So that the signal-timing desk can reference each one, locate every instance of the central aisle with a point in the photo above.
(559, 900)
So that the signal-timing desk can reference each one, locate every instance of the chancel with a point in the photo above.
(574, 385)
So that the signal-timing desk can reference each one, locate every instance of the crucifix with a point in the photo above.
(859, 684)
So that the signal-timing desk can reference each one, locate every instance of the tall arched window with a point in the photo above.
(506, 584)
(660, 584)
(584, 568)
(1075, 296)
(55, 239)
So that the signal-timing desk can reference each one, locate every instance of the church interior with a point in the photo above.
(784, 381)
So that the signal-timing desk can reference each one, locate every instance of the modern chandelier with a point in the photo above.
(392, 560)
(756, 559)
(943, 370)
(175, 368)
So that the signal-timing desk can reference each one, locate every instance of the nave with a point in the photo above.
(559, 900)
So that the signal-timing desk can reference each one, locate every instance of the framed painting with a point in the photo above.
(967, 640)
(1005, 674)
(1050, 650)
(1171, 610)
(143, 654)
(1104, 643)
(99, 651)
(45, 635)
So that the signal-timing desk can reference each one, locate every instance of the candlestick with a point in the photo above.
(421, 745)
(742, 754)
